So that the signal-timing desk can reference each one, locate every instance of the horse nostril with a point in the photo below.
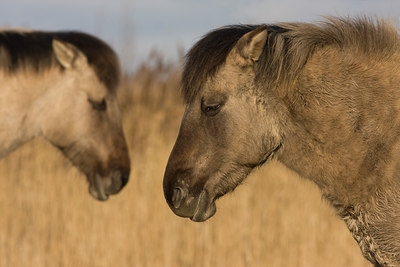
(177, 197)
(120, 177)
(124, 176)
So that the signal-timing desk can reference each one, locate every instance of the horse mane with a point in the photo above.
(287, 49)
(33, 49)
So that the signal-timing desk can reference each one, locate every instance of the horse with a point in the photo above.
(61, 86)
(321, 98)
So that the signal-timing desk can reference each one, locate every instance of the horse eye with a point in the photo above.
(211, 110)
(98, 105)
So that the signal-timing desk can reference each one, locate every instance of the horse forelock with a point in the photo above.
(204, 58)
(33, 51)
(287, 49)
(100, 56)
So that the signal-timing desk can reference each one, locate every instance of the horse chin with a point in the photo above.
(205, 208)
(96, 188)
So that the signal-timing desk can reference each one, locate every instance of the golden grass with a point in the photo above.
(49, 219)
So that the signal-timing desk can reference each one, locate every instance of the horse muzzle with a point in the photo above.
(198, 208)
(102, 187)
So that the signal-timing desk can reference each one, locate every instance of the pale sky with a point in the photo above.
(135, 27)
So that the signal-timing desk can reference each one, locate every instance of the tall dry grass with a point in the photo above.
(49, 219)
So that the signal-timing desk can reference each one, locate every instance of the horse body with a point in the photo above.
(62, 87)
(322, 99)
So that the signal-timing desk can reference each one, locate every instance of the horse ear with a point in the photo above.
(251, 45)
(68, 55)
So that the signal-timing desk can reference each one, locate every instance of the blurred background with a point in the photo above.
(275, 219)
(135, 28)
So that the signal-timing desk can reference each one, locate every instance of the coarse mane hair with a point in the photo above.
(287, 49)
(33, 49)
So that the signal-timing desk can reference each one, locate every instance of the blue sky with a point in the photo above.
(135, 27)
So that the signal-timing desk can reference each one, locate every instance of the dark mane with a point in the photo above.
(288, 47)
(204, 58)
(34, 49)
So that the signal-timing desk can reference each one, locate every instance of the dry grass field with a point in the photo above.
(49, 219)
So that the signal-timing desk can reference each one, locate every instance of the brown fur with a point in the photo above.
(289, 45)
(324, 99)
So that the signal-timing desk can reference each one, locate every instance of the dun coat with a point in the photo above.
(323, 99)
(61, 86)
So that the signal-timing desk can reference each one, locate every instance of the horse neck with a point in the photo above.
(340, 137)
(21, 97)
(344, 125)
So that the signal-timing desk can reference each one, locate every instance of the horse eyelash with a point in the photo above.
(98, 105)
